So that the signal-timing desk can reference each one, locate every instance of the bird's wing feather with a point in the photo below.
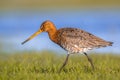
(80, 38)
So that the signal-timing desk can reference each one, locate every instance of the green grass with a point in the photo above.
(45, 66)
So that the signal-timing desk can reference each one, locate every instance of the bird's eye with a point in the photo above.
(42, 28)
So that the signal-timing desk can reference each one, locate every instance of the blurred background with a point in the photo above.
(19, 19)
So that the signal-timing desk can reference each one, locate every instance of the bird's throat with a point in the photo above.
(52, 34)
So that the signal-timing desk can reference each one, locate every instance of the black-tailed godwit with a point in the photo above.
(73, 40)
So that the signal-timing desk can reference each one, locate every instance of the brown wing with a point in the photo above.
(81, 39)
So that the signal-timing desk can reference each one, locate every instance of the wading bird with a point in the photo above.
(73, 40)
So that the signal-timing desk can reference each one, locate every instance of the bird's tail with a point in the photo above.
(110, 43)
(104, 44)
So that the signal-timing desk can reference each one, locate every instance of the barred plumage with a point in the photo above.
(76, 40)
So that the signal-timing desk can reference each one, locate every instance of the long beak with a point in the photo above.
(32, 36)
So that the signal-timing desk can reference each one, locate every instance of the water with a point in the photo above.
(16, 26)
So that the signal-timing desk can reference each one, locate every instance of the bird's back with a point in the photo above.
(77, 40)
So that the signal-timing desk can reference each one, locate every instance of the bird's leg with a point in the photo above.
(65, 62)
(90, 60)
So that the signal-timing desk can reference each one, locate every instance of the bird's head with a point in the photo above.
(46, 26)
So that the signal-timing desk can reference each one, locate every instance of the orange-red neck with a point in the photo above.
(52, 32)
